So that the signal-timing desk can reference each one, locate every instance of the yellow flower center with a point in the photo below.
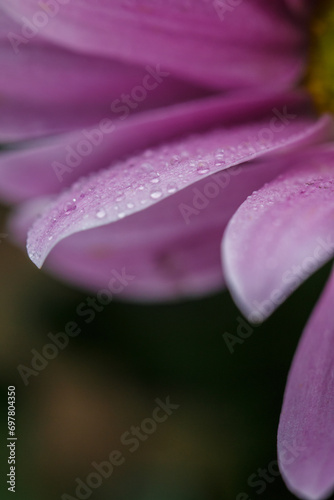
(320, 76)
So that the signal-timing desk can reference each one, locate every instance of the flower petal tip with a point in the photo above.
(35, 257)
(309, 489)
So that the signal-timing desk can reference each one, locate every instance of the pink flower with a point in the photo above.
(143, 109)
(125, 89)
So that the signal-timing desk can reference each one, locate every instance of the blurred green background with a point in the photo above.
(75, 411)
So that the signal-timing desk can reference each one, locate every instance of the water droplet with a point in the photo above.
(202, 168)
(120, 215)
(101, 213)
(156, 194)
(172, 188)
(130, 205)
(219, 163)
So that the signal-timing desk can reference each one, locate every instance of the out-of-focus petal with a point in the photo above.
(281, 234)
(171, 248)
(193, 39)
(306, 429)
(47, 89)
(45, 167)
(144, 180)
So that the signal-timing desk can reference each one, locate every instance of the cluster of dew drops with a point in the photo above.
(136, 183)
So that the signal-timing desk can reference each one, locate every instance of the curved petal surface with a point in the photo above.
(171, 248)
(45, 167)
(306, 429)
(281, 234)
(144, 180)
(193, 39)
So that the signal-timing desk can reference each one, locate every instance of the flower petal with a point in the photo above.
(306, 429)
(281, 234)
(141, 181)
(171, 248)
(193, 39)
(47, 89)
(48, 166)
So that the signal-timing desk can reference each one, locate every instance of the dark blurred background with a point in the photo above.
(107, 379)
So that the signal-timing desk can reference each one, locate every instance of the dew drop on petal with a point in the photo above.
(156, 194)
(172, 188)
(202, 168)
(101, 213)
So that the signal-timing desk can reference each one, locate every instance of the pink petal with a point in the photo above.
(172, 247)
(306, 429)
(192, 39)
(47, 166)
(281, 234)
(48, 89)
(144, 180)
(33, 169)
